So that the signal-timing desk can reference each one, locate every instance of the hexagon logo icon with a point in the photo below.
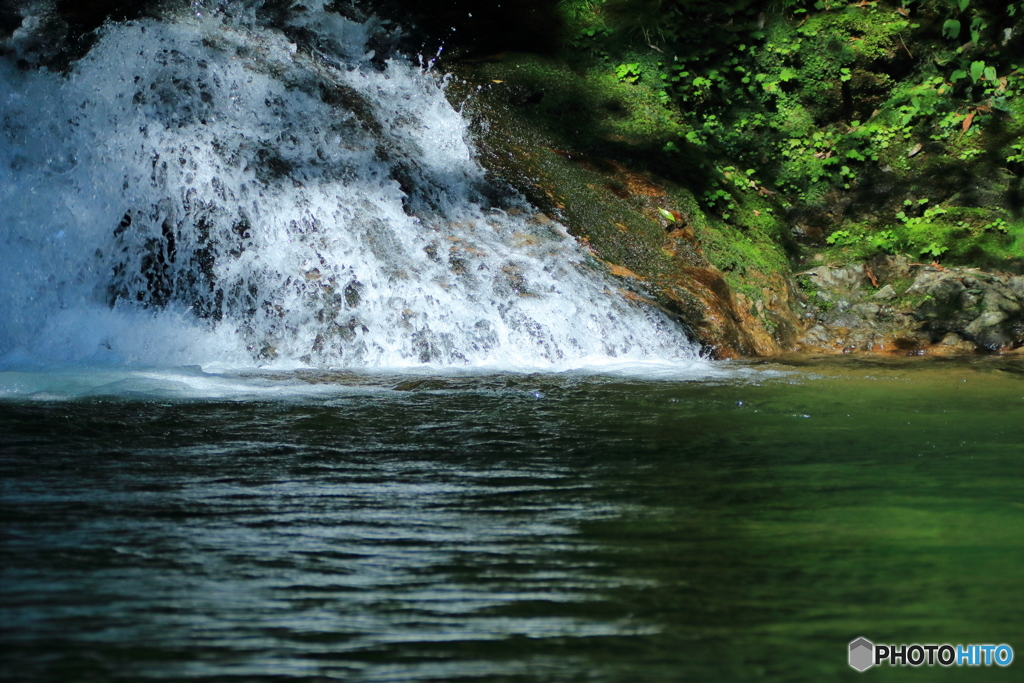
(862, 653)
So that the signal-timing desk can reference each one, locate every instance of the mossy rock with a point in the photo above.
(588, 150)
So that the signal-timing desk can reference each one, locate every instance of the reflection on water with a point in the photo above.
(744, 526)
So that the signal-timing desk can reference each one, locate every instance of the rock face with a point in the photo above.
(982, 308)
(580, 150)
(891, 306)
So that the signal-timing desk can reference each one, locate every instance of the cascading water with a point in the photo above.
(203, 190)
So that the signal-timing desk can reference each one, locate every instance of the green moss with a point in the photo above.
(747, 249)
(591, 149)
(585, 110)
(824, 120)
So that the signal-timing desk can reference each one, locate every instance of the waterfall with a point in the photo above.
(207, 189)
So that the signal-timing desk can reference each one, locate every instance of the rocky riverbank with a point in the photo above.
(742, 287)
(762, 181)
(761, 214)
(891, 306)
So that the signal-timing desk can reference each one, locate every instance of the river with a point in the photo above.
(733, 522)
(291, 390)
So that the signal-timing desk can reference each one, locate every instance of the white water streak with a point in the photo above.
(206, 192)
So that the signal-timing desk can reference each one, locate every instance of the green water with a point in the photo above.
(741, 527)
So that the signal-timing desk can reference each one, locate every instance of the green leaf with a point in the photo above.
(951, 29)
(977, 69)
(990, 73)
(957, 75)
(977, 26)
(667, 215)
(963, 4)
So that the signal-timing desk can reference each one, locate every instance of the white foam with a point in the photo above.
(24, 378)
(287, 207)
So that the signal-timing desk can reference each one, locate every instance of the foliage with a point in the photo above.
(824, 102)
(628, 73)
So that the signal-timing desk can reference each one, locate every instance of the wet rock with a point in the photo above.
(55, 34)
(946, 297)
(951, 339)
(953, 343)
(702, 299)
(845, 319)
(988, 330)
(925, 279)
(636, 214)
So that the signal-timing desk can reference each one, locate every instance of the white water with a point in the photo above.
(205, 192)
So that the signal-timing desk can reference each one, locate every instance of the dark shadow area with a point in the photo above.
(574, 117)
(68, 27)
(470, 29)
(10, 18)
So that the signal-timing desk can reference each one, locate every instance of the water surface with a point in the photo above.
(744, 523)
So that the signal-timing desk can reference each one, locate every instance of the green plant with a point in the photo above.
(805, 102)
(998, 225)
(721, 201)
(843, 238)
(628, 73)
(885, 240)
(934, 250)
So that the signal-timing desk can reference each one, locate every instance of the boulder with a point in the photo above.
(946, 311)
(889, 268)
(847, 278)
(885, 293)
